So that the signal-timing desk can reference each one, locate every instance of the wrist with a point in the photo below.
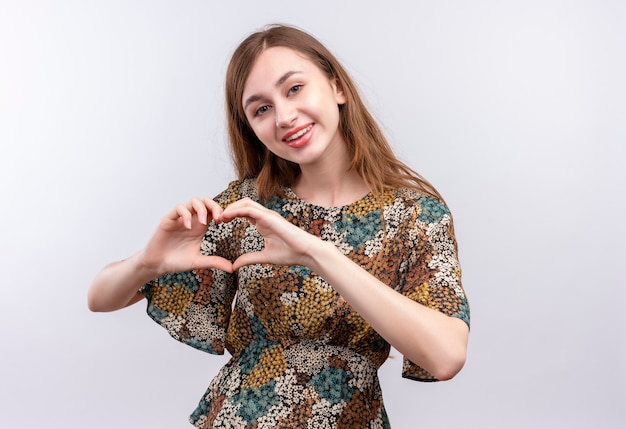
(321, 254)
(143, 267)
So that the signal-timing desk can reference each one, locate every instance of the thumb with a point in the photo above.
(250, 259)
(213, 262)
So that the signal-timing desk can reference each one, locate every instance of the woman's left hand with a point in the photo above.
(285, 243)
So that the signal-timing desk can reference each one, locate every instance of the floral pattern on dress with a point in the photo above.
(301, 356)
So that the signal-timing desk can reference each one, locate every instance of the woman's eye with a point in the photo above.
(261, 110)
(295, 89)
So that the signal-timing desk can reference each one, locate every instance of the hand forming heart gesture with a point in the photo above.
(175, 245)
(285, 243)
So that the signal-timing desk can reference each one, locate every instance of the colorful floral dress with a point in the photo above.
(301, 356)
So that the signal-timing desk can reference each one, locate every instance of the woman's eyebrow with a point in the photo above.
(278, 83)
(286, 76)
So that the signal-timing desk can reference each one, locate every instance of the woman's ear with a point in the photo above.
(335, 83)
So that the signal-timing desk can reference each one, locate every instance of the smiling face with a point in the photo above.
(293, 108)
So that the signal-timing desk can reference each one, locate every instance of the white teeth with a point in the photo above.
(299, 134)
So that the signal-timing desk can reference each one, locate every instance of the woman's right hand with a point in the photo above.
(175, 245)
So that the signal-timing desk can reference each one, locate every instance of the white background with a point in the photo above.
(111, 112)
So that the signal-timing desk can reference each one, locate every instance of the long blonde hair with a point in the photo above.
(371, 155)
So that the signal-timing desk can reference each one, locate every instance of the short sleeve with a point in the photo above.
(433, 275)
(195, 306)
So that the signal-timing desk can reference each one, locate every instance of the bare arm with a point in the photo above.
(174, 247)
(117, 284)
(433, 340)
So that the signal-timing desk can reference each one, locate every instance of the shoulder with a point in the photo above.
(418, 205)
(236, 190)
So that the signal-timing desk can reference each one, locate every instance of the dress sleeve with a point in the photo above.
(195, 306)
(433, 275)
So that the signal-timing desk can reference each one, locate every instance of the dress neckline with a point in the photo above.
(293, 196)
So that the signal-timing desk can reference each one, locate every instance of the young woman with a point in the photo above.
(331, 248)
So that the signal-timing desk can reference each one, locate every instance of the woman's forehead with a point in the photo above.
(273, 63)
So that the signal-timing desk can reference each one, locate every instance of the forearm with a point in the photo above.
(117, 284)
(425, 336)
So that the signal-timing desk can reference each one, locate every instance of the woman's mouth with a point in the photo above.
(298, 137)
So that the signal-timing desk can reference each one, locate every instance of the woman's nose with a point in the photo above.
(285, 115)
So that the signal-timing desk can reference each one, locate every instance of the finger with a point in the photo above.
(250, 259)
(213, 262)
(200, 208)
(243, 208)
(213, 207)
(180, 212)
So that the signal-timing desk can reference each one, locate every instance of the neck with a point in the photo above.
(330, 189)
(327, 182)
